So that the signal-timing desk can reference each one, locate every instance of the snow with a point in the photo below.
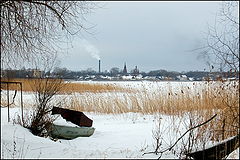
(156, 86)
(123, 135)
(127, 135)
(59, 120)
(234, 154)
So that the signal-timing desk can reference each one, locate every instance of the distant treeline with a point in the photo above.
(68, 74)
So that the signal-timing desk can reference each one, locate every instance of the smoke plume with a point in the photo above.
(94, 52)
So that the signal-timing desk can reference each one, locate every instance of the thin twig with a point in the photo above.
(199, 125)
(192, 129)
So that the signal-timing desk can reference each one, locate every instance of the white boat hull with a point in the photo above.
(67, 132)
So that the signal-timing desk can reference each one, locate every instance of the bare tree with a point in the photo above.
(30, 29)
(223, 45)
(223, 38)
(45, 90)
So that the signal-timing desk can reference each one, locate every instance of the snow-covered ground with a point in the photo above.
(127, 135)
(116, 136)
(153, 85)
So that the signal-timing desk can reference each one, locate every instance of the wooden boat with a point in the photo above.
(76, 117)
(218, 151)
(68, 132)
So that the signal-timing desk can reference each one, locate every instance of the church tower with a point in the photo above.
(125, 69)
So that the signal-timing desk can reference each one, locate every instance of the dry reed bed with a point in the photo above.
(199, 101)
(164, 99)
(67, 87)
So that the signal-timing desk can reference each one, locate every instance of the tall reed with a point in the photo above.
(201, 99)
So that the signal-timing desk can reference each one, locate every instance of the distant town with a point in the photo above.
(117, 74)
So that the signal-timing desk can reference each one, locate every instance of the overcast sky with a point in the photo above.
(150, 35)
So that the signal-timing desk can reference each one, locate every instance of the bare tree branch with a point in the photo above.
(190, 129)
(199, 125)
(31, 29)
(223, 38)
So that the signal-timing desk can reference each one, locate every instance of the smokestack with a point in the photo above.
(99, 66)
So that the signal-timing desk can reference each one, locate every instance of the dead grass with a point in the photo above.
(201, 102)
(210, 97)
(68, 87)
(217, 96)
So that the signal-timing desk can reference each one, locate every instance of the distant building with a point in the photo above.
(128, 77)
(182, 77)
(139, 76)
(8, 73)
(191, 79)
(135, 72)
(124, 69)
(36, 73)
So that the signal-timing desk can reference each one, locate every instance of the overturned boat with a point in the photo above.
(83, 125)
